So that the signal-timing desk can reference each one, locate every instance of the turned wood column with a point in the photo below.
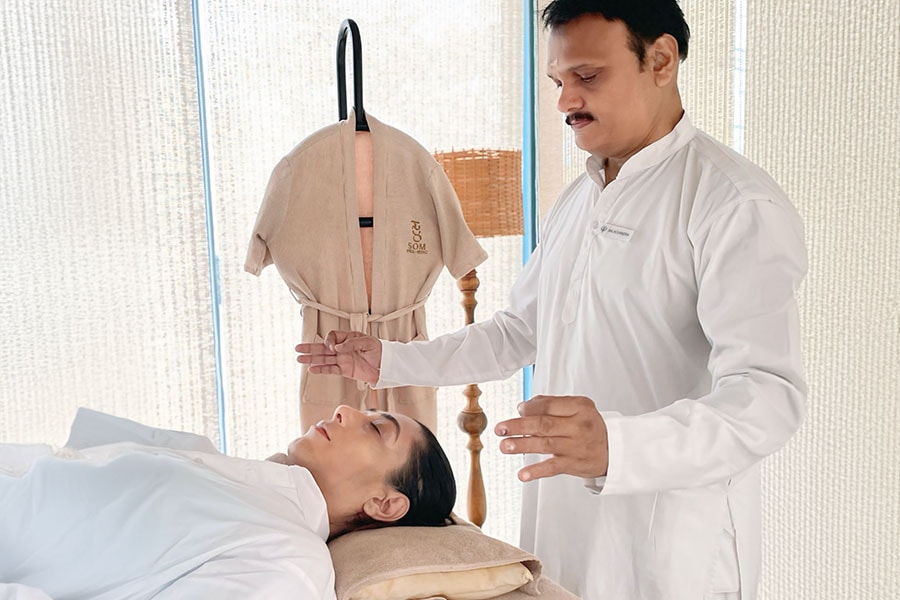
(472, 419)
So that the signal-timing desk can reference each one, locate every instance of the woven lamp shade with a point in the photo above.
(489, 186)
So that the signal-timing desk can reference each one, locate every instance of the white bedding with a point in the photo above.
(15, 591)
(126, 520)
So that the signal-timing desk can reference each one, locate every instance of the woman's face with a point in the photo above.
(354, 449)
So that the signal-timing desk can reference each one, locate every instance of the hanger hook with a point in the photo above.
(350, 25)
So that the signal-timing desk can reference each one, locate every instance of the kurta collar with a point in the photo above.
(653, 154)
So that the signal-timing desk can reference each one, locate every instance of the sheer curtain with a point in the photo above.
(104, 282)
(106, 295)
(809, 91)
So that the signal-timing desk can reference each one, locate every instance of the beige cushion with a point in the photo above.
(456, 562)
(470, 584)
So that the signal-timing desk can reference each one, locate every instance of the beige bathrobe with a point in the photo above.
(308, 227)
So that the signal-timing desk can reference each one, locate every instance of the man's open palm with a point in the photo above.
(348, 353)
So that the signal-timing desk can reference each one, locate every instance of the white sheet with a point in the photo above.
(14, 591)
(126, 520)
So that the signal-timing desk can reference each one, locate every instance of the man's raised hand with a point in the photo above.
(348, 353)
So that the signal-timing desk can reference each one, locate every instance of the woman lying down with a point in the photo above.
(130, 511)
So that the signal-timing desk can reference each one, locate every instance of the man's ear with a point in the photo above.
(663, 57)
(389, 508)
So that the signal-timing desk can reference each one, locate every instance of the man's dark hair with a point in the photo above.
(427, 480)
(646, 20)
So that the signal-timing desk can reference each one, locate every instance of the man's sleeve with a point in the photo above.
(487, 351)
(749, 263)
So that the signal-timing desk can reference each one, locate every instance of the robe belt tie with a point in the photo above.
(361, 322)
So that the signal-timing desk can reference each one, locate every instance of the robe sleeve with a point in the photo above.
(749, 262)
(271, 216)
(460, 249)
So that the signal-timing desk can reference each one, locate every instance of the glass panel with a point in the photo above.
(449, 75)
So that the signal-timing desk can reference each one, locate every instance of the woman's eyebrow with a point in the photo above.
(393, 420)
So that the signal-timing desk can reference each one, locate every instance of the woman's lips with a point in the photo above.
(321, 429)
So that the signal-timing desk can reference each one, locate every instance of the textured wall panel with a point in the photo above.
(706, 78)
(823, 82)
(104, 289)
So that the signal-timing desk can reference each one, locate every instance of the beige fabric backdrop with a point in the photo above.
(822, 116)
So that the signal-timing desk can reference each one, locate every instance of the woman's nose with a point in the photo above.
(343, 413)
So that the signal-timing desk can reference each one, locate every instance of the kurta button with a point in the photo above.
(595, 226)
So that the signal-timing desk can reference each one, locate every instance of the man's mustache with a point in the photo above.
(578, 115)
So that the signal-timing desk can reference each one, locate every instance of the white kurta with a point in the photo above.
(130, 520)
(667, 297)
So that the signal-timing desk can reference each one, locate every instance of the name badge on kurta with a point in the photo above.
(616, 232)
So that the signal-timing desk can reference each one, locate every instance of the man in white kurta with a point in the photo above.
(685, 330)
(127, 511)
(659, 312)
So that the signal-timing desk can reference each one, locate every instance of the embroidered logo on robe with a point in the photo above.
(417, 245)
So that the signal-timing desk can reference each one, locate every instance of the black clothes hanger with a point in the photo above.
(350, 25)
(361, 124)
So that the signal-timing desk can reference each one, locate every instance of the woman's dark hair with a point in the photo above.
(646, 19)
(427, 480)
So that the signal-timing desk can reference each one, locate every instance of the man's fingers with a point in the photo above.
(333, 338)
(317, 359)
(541, 425)
(546, 468)
(325, 370)
(559, 406)
(568, 429)
(357, 344)
(312, 348)
(537, 445)
(548, 416)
